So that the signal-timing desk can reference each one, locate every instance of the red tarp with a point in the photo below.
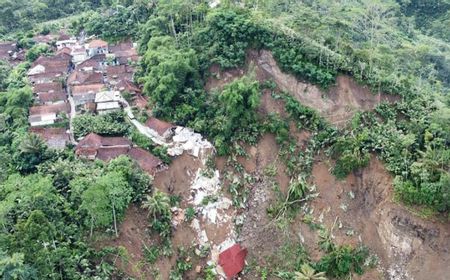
(232, 260)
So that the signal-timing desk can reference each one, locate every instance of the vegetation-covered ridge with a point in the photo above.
(54, 205)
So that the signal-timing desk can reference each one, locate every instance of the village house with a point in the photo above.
(117, 73)
(146, 161)
(94, 146)
(45, 39)
(45, 77)
(96, 47)
(107, 101)
(164, 129)
(66, 42)
(78, 54)
(84, 78)
(95, 63)
(55, 137)
(126, 86)
(65, 50)
(50, 68)
(125, 52)
(47, 87)
(83, 94)
(48, 114)
(49, 93)
(51, 97)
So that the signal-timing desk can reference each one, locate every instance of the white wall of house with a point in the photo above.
(44, 119)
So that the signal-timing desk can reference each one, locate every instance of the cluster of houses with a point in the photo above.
(87, 76)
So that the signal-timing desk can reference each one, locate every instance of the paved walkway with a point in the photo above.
(72, 115)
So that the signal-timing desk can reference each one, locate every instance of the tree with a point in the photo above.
(30, 151)
(170, 77)
(235, 112)
(13, 267)
(106, 199)
(138, 180)
(157, 204)
(5, 69)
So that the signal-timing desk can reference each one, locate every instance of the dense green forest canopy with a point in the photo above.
(397, 47)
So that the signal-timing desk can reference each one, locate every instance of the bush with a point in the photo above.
(112, 124)
(343, 261)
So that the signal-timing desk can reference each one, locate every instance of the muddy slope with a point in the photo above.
(337, 105)
(408, 246)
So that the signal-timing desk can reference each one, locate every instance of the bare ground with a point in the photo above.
(408, 246)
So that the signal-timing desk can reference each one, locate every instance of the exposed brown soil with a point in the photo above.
(134, 230)
(177, 178)
(337, 105)
(408, 247)
(133, 234)
(258, 234)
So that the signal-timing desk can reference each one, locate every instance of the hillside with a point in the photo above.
(225, 140)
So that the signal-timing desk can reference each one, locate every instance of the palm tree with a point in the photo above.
(31, 152)
(157, 205)
(308, 273)
(32, 144)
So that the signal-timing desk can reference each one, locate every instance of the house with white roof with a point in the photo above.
(107, 101)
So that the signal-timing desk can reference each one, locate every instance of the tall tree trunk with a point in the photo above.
(92, 225)
(115, 222)
(172, 25)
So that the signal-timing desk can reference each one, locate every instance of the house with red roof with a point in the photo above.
(164, 129)
(7, 50)
(94, 146)
(55, 137)
(146, 161)
(47, 87)
(124, 52)
(232, 260)
(90, 145)
(47, 69)
(127, 86)
(83, 94)
(117, 73)
(84, 78)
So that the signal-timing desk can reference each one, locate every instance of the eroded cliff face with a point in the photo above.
(408, 246)
(337, 104)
